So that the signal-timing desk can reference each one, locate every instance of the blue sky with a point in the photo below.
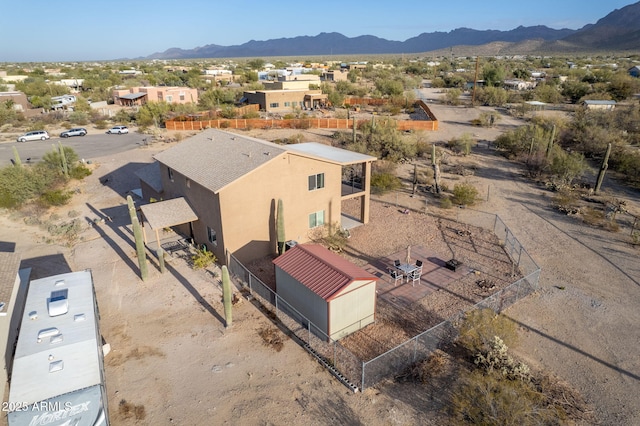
(74, 30)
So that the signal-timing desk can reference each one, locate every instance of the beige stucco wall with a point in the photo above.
(294, 98)
(248, 205)
(243, 213)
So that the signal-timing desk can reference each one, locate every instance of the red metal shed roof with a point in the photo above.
(323, 272)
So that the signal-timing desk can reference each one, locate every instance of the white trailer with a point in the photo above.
(58, 369)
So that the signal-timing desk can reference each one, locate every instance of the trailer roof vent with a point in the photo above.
(58, 303)
(47, 332)
(56, 366)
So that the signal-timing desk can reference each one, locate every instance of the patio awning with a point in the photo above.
(165, 214)
(132, 96)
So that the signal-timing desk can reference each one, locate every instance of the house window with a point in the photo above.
(170, 171)
(213, 238)
(182, 96)
(274, 105)
(316, 181)
(160, 96)
(169, 98)
(287, 104)
(316, 219)
(294, 104)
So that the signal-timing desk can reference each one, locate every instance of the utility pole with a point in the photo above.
(475, 83)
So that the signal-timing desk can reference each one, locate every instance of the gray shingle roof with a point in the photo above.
(214, 158)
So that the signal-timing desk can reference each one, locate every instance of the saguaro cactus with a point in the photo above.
(280, 227)
(16, 156)
(436, 169)
(137, 234)
(227, 296)
(63, 158)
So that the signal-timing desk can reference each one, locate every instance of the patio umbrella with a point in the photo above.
(408, 254)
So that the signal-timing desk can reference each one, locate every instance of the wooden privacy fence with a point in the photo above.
(199, 123)
(300, 123)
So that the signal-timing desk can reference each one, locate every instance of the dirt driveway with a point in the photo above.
(173, 362)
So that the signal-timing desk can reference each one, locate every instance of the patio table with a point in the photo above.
(407, 268)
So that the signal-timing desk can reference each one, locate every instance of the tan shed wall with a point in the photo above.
(353, 310)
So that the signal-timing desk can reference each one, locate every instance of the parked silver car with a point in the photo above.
(118, 130)
(34, 136)
(78, 131)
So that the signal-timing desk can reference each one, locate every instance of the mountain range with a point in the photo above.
(618, 31)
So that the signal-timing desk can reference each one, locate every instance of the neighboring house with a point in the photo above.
(293, 82)
(233, 184)
(335, 295)
(634, 71)
(599, 105)
(141, 95)
(18, 100)
(13, 289)
(335, 75)
(283, 101)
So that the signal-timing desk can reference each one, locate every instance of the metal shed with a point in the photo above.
(335, 295)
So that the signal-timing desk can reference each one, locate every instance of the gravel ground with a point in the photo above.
(173, 362)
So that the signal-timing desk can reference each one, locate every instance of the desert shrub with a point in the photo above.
(101, 124)
(79, 172)
(203, 258)
(446, 203)
(384, 182)
(330, 235)
(481, 398)
(178, 136)
(452, 96)
(480, 326)
(225, 124)
(79, 117)
(55, 197)
(566, 200)
(461, 145)
(464, 194)
(251, 114)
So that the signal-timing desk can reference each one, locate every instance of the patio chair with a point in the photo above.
(396, 276)
(396, 263)
(415, 276)
(419, 263)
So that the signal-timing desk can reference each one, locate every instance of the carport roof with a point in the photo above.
(132, 96)
(165, 214)
(323, 272)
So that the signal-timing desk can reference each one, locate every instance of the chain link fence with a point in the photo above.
(360, 374)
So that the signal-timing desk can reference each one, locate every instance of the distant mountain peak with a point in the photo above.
(619, 30)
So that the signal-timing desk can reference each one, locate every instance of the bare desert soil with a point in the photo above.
(173, 361)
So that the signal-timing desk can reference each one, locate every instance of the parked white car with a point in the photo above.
(118, 130)
(34, 136)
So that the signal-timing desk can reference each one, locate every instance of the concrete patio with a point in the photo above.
(435, 276)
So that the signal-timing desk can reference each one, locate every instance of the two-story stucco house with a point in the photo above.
(233, 183)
